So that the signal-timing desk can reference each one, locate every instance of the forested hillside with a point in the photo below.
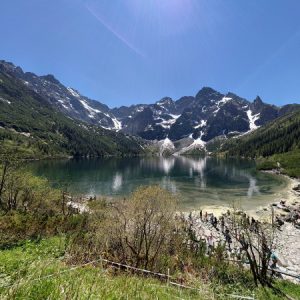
(279, 136)
(276, 145)
(30, 126)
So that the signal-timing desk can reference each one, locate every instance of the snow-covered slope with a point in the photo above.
(166, 145)
(197, 144)
(252, 119)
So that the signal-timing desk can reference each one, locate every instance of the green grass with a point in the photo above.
(22, 267)
(23, 270)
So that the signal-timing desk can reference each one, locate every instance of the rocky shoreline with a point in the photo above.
(286, 215)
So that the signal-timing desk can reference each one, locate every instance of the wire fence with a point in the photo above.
(170, 280)
(166, 277)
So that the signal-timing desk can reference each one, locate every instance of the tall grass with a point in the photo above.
(24, 272)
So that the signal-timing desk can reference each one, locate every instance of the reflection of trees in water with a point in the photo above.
(239, 174)
(235, 171)
(122, 175)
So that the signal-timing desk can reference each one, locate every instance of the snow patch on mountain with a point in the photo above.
(91, 110)
(201, 124)
(149, 127)
(224, 100)
(73, 92)
(63, 103)
(168, 123)
(139, 109)
(221, 103)
(252, 118)
(166, 144)
(4, 100)
(164, 101)
(117, 124)
(174, 116)
(196, 144)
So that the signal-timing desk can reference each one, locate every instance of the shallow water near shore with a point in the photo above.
(197, 181)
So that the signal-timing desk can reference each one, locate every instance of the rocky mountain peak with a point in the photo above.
(10, 68)
(205, 92)
(258, 101)
(50, 78)
(165, 101)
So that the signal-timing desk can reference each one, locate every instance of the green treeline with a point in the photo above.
(280, 136)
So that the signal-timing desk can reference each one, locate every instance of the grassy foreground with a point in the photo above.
(23, 268)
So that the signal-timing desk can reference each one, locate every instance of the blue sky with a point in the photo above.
(122, 52)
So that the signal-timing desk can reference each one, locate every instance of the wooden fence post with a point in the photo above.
(101, 263)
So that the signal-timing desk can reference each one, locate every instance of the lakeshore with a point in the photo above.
(281, 203)
(287, 239)
(287, 234)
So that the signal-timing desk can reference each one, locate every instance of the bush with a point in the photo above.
(137, 231)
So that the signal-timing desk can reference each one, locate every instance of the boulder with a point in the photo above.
(297, 188)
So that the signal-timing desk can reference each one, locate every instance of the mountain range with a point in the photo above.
(31, 126)
(178, 125)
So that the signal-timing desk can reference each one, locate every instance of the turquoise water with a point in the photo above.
(196, 181)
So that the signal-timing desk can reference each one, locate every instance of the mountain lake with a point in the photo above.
(198, 182)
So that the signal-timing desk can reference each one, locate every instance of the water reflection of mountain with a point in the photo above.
(197, 179)
(196, 168)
